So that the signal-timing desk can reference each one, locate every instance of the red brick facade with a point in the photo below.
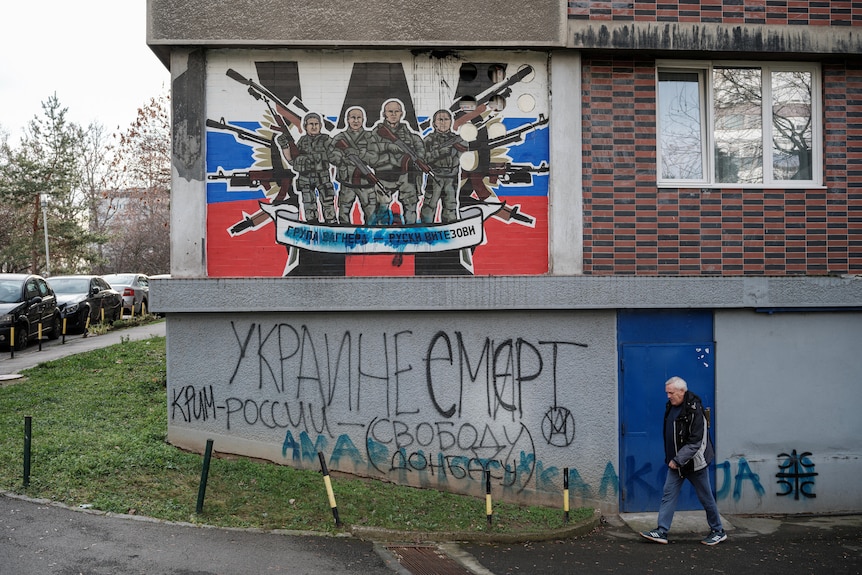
(755, 12)
(632, 227)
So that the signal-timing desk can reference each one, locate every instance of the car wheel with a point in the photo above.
(55, 327)
(21, 337)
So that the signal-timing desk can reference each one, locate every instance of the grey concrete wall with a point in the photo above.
(501, 293)
(788, 383)
(354, 23)
(188, 185)
(423, 398)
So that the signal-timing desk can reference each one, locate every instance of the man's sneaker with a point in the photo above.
(715, 537)
(656, 535)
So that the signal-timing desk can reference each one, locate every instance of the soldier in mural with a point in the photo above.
(401, 164)
(443, 149)
(355, 150)
(312, 165)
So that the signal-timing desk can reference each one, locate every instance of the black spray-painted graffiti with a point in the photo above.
(797, 475)
(289, 359)
(460, 407)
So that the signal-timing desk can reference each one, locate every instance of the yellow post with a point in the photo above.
(329, 493)
(566, 494)
(488, 508)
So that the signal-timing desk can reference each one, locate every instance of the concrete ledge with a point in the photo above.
(502, 293)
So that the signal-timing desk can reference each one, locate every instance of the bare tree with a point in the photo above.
(135, 206)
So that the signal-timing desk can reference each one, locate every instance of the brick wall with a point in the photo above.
(631, 227)
(768, 12)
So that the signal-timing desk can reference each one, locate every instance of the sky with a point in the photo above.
(92, 53)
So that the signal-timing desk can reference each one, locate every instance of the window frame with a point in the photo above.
(705, 70)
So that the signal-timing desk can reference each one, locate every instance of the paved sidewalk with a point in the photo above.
(51, 350)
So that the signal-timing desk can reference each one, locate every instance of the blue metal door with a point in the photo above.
(644, 369)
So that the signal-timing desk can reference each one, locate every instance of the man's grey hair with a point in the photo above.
(677, 383)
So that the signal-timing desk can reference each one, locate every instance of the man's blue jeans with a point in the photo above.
(672, 487)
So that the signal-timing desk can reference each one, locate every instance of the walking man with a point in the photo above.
(688, 453)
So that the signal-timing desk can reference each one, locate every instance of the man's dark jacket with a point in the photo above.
(692, 447)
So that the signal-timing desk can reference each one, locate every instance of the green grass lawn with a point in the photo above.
(99, 426)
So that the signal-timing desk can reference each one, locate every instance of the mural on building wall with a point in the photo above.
(430, 164)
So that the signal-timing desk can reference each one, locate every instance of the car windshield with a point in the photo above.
(119, 279)
(10, 291)
(70, 285)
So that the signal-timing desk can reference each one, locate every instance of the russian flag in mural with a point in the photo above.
(376, 164)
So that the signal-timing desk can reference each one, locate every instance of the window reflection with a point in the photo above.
(738, 97)
(680, 119)
(791, 125)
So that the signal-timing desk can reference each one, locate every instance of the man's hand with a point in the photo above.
(673, 464)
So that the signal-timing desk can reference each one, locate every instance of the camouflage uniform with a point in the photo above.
(397, 172)
(443, 153)
(352, 183)
(312, 165)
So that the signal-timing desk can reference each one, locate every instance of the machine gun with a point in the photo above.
(279, 110)
(509, 173)
(240, 133)
(252, 179)
(278, 175)
(504, 88)
(386, 133)
(513, 136)
(361, 166)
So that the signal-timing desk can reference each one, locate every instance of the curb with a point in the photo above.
(391, 535)
(372, 534)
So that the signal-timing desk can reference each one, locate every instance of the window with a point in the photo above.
(740, 125)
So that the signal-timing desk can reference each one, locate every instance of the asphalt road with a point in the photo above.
(765, 546)
(41, 539)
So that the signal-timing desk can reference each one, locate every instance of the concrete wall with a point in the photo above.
(360, 368)
(788, 383)
(423, 398)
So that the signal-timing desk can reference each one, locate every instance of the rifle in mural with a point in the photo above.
(509, 173)
(252, 179)
(502, 89)
(280, 111)
(296, 104)
(360, 166)
(513, 136)
(386, 133)
(240, 133)
(279, 176)
(501, 173)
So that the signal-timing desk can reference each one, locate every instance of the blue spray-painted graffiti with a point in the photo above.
(743, 473)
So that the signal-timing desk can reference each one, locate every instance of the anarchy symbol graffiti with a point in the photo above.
(558, 427)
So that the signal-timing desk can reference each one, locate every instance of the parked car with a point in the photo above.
(80, 297)
(26, 301)
(135, 289)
